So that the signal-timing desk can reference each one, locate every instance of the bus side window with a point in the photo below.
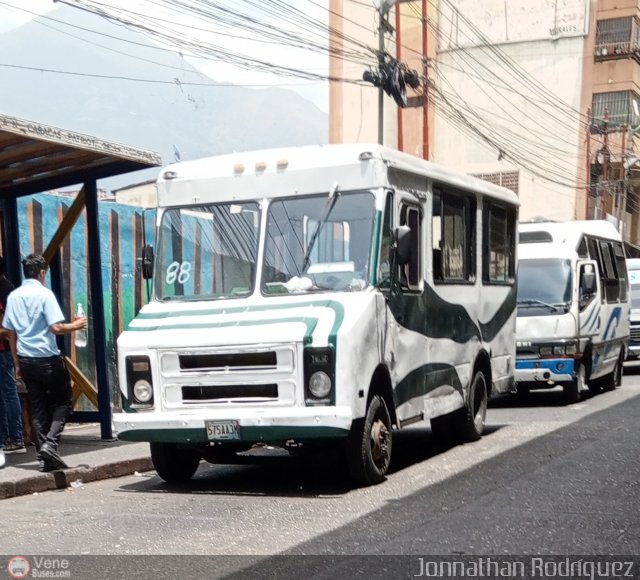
(587, 285)
(411, 272)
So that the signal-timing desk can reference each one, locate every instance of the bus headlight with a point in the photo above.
(320, 384)
(139, 381)
(142, 391)
(319, 376)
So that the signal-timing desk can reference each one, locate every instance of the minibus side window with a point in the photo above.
(612, 290)
(411, 273)
(621, 267)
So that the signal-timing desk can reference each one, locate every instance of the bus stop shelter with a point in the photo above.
(36, 158)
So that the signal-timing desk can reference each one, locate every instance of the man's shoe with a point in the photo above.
(45, 466)
(2, 459)
(48, 453)
(14, 447)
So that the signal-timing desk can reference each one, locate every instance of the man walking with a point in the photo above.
(34, 317)
(11, 438)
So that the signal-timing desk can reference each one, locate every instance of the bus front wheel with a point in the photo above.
(368, 446)
(174, 463)
(573, 390)
(473, 416)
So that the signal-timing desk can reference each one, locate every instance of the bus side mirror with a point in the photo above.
(403, 245)
(589, 282)
(147, 262)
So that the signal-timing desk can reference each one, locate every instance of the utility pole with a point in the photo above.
(606, 156)
(380, 66)
(588, 148)
(425, 89)
(621, 199)
(384, 6)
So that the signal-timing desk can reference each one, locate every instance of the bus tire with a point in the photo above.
(573, 389)
(472, 417)
(368, 446)
(613, 380)
(174, 463)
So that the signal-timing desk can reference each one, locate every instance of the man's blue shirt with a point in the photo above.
(31, 310)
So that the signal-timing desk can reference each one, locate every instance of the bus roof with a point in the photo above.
(304, 170)
(633, 263)
(569, 233)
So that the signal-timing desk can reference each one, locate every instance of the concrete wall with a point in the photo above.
(511, 116)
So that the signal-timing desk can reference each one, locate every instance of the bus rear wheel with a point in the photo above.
(174, 463)
(368, 446)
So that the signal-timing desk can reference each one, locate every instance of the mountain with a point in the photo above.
(169, 116)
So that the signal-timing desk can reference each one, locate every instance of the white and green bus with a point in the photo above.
(319, 295)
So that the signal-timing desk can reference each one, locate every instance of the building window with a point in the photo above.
(617, 37)
(508, 179)
(620, 108)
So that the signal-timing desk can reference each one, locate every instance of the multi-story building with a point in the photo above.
(541, 96)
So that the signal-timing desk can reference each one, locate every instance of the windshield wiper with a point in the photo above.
(324, 216)
(536, 302)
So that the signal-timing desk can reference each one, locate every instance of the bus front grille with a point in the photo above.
(229, 392)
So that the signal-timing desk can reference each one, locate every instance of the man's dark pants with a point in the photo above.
(49, 390)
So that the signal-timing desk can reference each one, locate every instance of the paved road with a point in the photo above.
(547, 479)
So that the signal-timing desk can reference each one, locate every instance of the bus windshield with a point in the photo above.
(544, 283)
(207, 252)
(318, 243)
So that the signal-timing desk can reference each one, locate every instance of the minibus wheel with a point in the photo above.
(368, 446)
(614, 379)
(573, 389)
(174, 463)
(473, 416)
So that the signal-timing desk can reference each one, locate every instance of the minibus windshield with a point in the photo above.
(207, 252)
(544, 283)
(318, 243)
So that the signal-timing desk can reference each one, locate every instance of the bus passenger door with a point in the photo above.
(406, 325)
(589, 301)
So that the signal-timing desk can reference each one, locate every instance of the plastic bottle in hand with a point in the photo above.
(80, 336)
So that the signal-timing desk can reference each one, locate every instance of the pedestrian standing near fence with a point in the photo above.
(11, 437)
(34, 317)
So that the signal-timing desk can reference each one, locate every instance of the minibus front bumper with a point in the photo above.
(547, 370)
(239, 425)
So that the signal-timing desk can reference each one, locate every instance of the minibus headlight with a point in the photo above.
(319, 384)
(142, 391)
(139, 381)
(319, 376)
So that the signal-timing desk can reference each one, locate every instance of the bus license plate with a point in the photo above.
(217, 430)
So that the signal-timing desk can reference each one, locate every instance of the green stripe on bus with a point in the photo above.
(249, 434)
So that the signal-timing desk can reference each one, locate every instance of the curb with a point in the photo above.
(62, 479)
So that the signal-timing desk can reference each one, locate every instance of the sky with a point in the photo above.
(13, 13)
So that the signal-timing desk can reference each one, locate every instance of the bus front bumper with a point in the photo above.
(232, 425)
(547, 370)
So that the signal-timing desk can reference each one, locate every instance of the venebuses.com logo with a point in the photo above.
(18, 567)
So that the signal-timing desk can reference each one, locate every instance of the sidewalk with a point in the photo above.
(89, 459)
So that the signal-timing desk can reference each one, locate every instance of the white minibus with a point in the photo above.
(318, 295)
(573, 307)
(633, 267)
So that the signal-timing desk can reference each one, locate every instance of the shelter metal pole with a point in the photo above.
(97, 307)
(55, 268)
(11, 241)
